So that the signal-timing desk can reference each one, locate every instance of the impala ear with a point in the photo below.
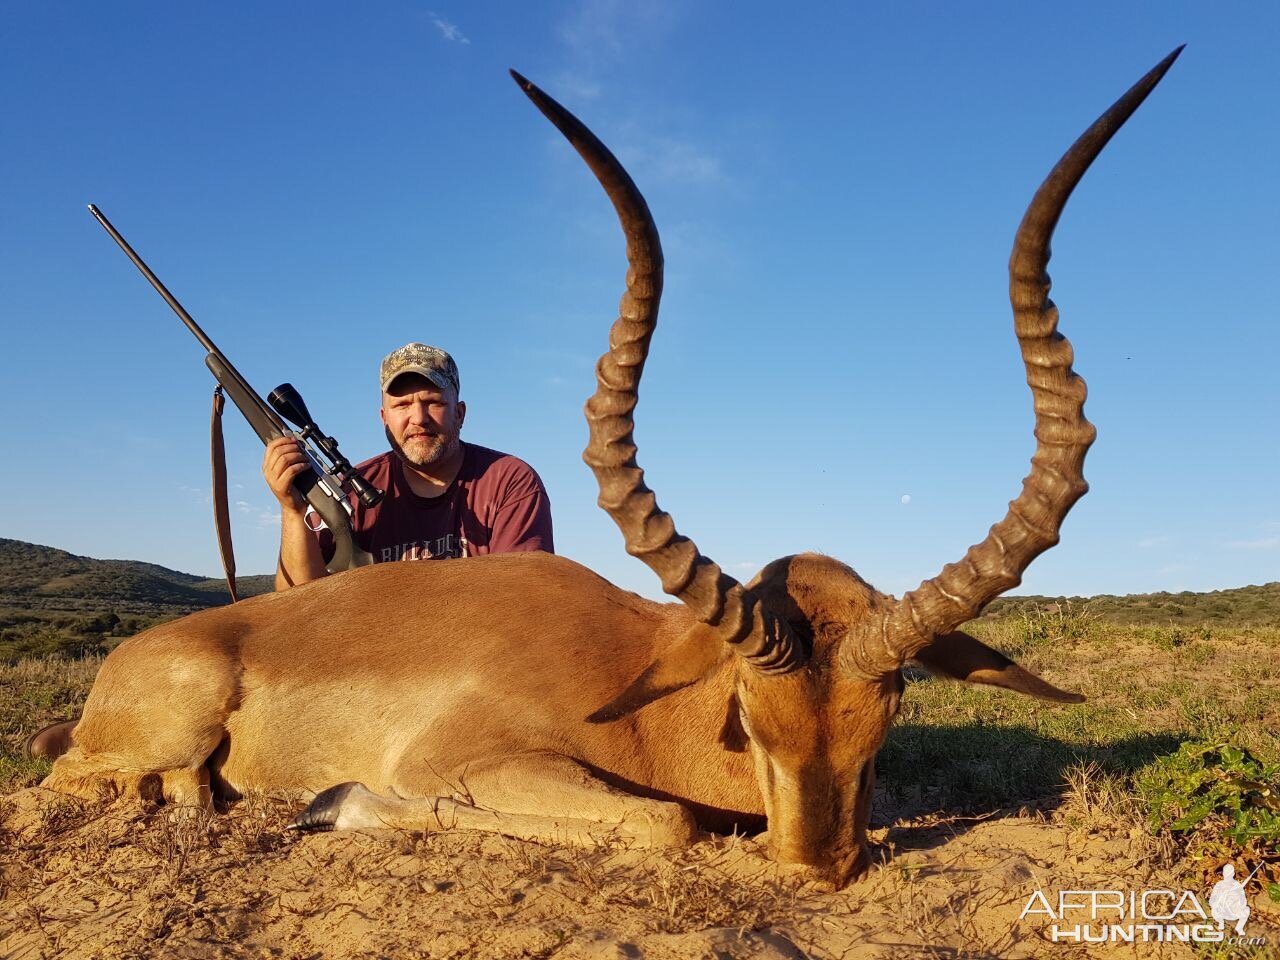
(690, 658)
(963, 657)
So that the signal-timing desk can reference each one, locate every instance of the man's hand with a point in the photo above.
(283, 461)
(300, 558)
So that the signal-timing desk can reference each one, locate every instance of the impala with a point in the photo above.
(524, 694)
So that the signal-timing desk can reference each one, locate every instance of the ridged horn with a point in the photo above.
(716, 598)
(1063, 435)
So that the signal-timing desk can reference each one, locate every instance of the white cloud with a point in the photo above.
(597, 33)
(448, 30)
(683, 161)
(269, 517)
(570, 87)
(693, 246)
(198, 494)
(1146, 543)
(592, 28)
(1263, 543)
(747, 565)
(673, 160)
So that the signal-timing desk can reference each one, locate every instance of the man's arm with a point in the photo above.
(301, 560)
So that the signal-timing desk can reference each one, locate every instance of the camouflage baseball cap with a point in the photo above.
(430, 362)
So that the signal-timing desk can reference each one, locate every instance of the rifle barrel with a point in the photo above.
(161, 289)
(230, 371)
(330, 504)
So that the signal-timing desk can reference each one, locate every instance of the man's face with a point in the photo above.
(422, 421)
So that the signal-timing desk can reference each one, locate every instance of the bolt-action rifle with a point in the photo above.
(324, 485)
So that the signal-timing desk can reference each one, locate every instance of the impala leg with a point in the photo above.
(188, 788)
(540, 797)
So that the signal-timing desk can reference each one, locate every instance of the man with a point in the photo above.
(444, 497)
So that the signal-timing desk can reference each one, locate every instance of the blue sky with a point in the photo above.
(837, 187)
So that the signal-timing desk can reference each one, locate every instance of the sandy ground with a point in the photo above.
(86, 881)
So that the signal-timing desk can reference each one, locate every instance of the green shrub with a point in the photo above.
(46, 640)
(1221, 802)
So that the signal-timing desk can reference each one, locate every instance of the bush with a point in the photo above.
(45, 640)
(1222, 803)
(1050, 625)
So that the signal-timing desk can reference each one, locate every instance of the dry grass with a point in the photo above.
(33, 693)
(1034, 795)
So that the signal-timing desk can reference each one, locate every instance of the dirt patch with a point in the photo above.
(86, 881)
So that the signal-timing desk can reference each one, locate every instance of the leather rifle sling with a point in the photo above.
(221, 512)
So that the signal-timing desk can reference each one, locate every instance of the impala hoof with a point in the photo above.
(322, 812)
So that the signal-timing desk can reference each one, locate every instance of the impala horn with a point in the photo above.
(717, 599)
(1063, 435)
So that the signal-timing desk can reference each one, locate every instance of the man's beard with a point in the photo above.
(437, 447)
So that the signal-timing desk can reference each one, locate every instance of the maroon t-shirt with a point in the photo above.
(496, 504)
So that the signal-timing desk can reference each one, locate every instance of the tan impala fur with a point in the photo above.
(523, 694)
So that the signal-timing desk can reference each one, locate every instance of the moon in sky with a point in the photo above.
(906, 498)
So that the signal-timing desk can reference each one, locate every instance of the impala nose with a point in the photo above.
(822, 879)
(835, 874)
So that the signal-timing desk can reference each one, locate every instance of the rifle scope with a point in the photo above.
(287, 401)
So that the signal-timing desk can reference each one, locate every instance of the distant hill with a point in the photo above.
(1240, 606)
(45, 578)
(54, 602)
